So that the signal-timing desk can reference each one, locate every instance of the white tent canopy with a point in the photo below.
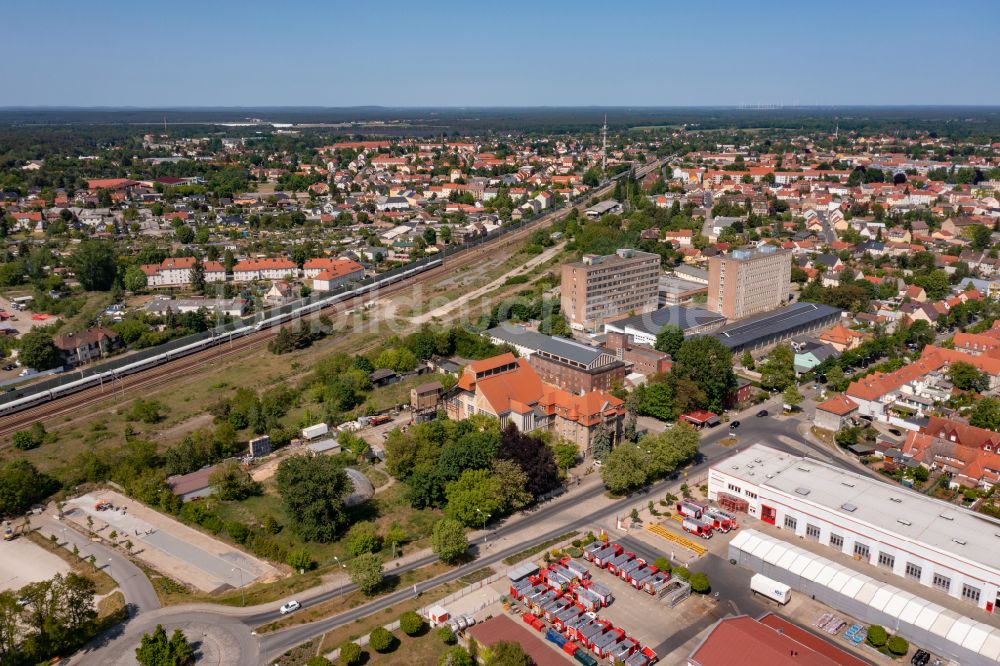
(971, 641)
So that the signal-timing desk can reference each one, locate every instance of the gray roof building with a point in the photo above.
(773, 327)
(643, 328)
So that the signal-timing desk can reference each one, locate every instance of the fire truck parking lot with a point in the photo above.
(643, 616)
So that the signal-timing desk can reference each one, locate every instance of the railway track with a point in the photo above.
(158, 374)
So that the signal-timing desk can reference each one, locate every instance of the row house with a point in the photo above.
(249, 270)
(969, 454)
(176, 272)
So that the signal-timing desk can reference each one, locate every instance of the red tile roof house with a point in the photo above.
(968, 453)
(79, 348)
(833, 414)
(339, 272)
(264, 269)
(511, 390)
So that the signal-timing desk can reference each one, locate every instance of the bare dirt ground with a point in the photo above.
(23, 562)
(169, 546)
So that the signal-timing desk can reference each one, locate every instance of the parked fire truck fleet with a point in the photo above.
(565, 595)
(702, 520)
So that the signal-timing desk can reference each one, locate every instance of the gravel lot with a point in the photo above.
(23, 562)
(169, 546)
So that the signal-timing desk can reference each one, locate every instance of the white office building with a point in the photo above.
(935, 543)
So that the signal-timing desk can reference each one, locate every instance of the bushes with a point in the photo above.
(382, 640)
(363, 538)
(662, 564)
(237, 531)
(699, 583)
(897, 645)
(300, 559)
(877, 636)
(446, 635)
(147, 411)
(25, 440)
(350, 654)
(411, 623)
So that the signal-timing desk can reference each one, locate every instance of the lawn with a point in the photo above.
(426, 648)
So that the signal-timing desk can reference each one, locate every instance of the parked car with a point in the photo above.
(762, 413)
(9, 367)
(734, 424)
(290, 607)
(896, 432)
(920, 658)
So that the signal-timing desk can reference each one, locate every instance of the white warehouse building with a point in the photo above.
(929, 541)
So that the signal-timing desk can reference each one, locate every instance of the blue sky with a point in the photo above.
(507, 53)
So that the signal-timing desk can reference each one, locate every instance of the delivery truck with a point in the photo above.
(770, 588)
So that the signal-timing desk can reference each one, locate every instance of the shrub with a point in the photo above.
(24, 440)
(663, 564)
(319, 661)
(300, 559)
(897, 645)
(411, 623)
(682, 572)
(877, 636)
(363, 538)
(238, 531)
(699, 583)
(350, 654)
(381, 639)
(446, 635)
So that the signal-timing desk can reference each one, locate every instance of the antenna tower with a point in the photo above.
(604, 144)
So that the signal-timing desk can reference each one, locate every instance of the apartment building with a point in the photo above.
(748, 282)
(604, 288)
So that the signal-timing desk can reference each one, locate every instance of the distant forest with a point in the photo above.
(40, 132)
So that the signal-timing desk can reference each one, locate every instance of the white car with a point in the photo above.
(290, 607)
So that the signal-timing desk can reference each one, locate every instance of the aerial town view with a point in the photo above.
(545, 333)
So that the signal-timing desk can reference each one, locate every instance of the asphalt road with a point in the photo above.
(134, 584)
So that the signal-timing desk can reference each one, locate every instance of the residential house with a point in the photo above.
(81, 347)
(836, 413)
(969, 454)
(842, 338)
(249, 270)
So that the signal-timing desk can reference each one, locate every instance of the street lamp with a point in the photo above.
(486, 517)
(342, 566)
(243, 594)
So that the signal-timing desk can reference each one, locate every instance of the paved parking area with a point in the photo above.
(23, 562)
(171, 547)
(643, 616)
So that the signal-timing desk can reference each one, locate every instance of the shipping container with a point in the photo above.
(770, 588)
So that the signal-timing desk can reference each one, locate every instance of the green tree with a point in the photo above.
(95, 265)
(472, 496)
(367, 572)
(184, 234)
(363, 537)
(625, 468)
(198, 277)
(313, 492)
(669, 339)
(670, 449)
(36, 350)
(709, 365)
(877, 635)
(699, 583)
(232, 482)
(967, 377)
(21, 485)
(350, 654)
(565, 453)
(381, 639)
(897, 645)
(411, 623)
(779, 370)
(981, 237)
(156, 650)
(301, 559)
(792, 396)
(10, 627)
(135, 280)
(835, 379)
(747, 360)
(986, 414)
(507, 653)
(448, 540)
(456, 656)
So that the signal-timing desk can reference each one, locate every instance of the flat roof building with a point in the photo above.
(599, 288)
(933, 543)
(749, 282)
(771, 328)
(643, 328)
